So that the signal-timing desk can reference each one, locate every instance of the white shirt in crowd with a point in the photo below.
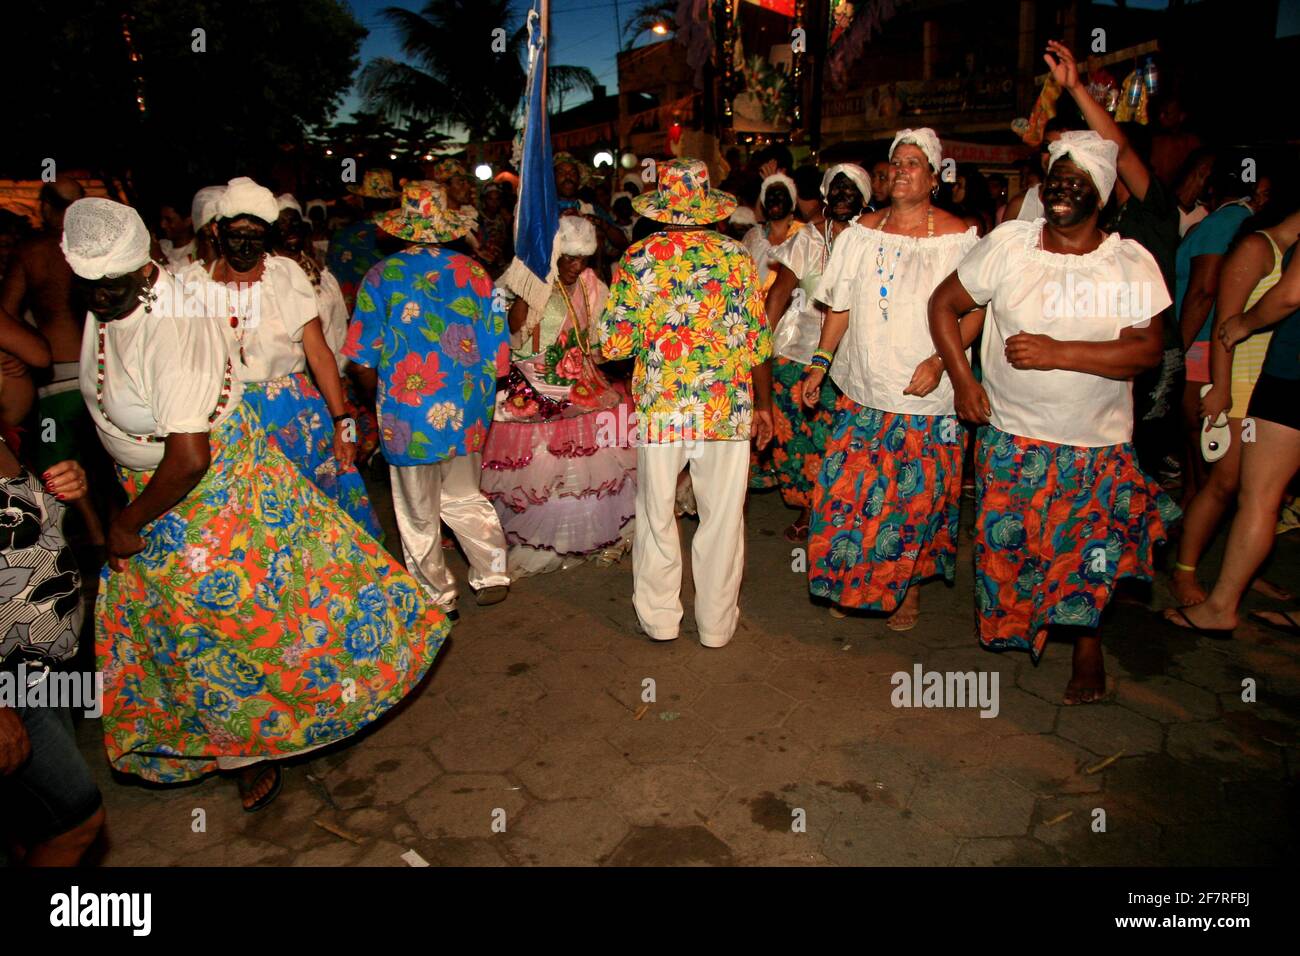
(760, 247)
(270, 314)
(163, 373)
(798, 331)
(877, 357)
(178, 257)
(333, 312)
(1188, 219)
(1091, 298)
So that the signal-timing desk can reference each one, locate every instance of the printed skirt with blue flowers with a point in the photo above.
(885, 507)
(297, 420)
(257, 622)
(801, 433)
(1056, 527)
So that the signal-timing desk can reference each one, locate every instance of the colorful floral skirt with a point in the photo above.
(565, 489)
(800, 433)
(257, 622)
(885, 506)
(1056, 527)
(297, 421)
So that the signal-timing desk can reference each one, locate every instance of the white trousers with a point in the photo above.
(720, 475)
(426, 495)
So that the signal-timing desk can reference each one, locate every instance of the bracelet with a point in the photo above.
(820, 362)
(341, 418)
(826, 354)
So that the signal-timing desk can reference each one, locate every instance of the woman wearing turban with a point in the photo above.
(242, 618)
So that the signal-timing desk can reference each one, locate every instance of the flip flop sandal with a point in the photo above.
(796, 533)
(1217, 633)
(1216, 441)
(265, 800)
(1293, 628)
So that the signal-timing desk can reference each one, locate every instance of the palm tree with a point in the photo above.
(458, 82)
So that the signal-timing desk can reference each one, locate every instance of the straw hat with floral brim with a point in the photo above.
(423, 215)
(682, 196)
(377, 183)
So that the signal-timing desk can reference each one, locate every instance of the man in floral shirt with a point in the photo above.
(687, 305)
(355, 248)
(428, 342)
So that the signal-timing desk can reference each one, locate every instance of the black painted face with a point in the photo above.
(777, 202)
(243, 242)
(568, 268)
(115, 298)
(288, 232)
(1069, 197)
(843, 199)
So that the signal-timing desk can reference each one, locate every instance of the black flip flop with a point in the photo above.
(1217, 633)
(1293, 628)
(265, 800)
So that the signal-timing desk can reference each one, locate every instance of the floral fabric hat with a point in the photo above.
(444, 170)
(377, 183)
(683, 196)
(423, 215)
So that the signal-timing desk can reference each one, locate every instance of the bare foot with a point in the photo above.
(838, 612)
(1088, 681)
(1187, 590)
(1260, 586)
(908, 613)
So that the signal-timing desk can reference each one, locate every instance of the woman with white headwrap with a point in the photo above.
(776, 197)
(796, 318)
(289, 238)
(886, 503)
(556, 464)
(242, 617)
(1063, 510)
(271, 321)
(203, 217)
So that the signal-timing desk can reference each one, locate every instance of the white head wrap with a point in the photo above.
(577, 237)
(103, 238)
(924, 139)
(1091, 153)
(243, 197)
(857, 175)
(743, 216)
(204, 207)
(785, 181)
(286, 201)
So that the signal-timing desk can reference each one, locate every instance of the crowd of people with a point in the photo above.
(861, 337)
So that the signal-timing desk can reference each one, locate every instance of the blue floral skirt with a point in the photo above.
(885, 506)
(1056, 527)
(296, 419)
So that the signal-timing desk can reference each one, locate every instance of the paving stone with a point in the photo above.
(662, 845)
(937, 740)
(1165, 790)
(675, 687)
(483, 695)
(978, 803)
(589, 672)
(877, 835)
(844, 676)
(743, 660)
(829, 722)
(743, 706)
(1047, 679)
(757, 823)
(1006, 851)
(1020, 712)
(411, 723)
(379, 776)
(463, 804)
(502, 653)
(669, 796)
(567, 833)
(1127, 841)
(660, 736)
(1106, 729)
(1212, 669)
(338, 853)
(488, 745)
(1228, 752)
(450, 851)
(1045, 764)
(849, 776)
(740, 758)
(1221, 844)
(572, 767)
(1166, 699)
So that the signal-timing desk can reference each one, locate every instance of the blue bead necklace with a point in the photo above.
(880, 261)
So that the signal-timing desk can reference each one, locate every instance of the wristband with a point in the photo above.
(341, 418)
(820, 362)
(826, 354)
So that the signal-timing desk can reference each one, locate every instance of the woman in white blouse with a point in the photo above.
(887, 499)
(241, 617)
(1073, 315)
(267, 310)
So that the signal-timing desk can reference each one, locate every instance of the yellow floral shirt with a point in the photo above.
(689, 307)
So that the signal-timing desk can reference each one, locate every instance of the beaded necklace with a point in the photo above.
(147, 298)
(880, 260)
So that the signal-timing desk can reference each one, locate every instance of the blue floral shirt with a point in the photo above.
(424, 321)
(353, 250)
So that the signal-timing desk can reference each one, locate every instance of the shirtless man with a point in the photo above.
(39, 279)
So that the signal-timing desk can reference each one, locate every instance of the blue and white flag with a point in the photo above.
(537, 216)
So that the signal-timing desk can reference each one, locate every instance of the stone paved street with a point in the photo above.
(533, 719)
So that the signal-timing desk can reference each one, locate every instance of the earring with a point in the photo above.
(147, 298)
